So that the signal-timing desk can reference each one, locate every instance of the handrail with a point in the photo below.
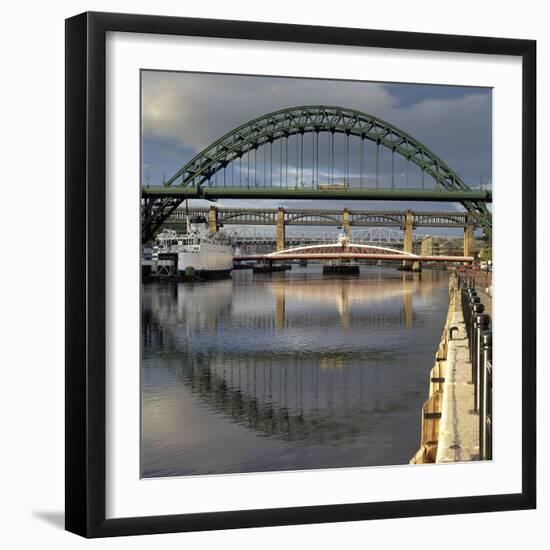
(480, 341)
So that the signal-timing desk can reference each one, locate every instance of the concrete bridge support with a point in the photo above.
(345, 222)
(280, 232)
(213, 220)
(408, 241)
(469, 237)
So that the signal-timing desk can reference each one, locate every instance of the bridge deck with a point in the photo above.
(352, 256)
(321, 217)
(395, 194)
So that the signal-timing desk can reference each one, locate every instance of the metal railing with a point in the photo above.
(480, 339)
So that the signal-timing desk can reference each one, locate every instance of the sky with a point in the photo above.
(182, 113)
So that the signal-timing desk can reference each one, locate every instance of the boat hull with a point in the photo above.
(210, 275)
(208, 259)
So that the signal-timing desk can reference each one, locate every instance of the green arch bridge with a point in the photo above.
(314, 152)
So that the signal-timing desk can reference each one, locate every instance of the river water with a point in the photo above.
(287, 371)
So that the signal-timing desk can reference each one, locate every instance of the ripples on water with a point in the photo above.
(288, 371)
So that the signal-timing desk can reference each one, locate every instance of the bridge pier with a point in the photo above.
(213, 220)
(280, 232)
(469, 237)
(408, 239)
(416, 266)
(345, 222)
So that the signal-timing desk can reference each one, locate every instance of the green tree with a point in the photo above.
(485, 254)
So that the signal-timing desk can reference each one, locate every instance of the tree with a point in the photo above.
(485, 254)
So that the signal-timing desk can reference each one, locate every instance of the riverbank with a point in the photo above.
(450, 427)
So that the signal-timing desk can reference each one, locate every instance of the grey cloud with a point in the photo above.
(195, 109)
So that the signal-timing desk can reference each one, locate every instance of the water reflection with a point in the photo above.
(344, 292)
(289, 371)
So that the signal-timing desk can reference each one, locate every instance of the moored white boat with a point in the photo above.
(198, 251)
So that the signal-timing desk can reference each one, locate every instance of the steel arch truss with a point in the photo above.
(198, 172)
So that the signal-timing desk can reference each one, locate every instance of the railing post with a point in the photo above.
(481, 323)
(470, 312)
(475, 310)
(466, 294)
(486, 397)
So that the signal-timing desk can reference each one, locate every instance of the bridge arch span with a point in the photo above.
(300, 120)
(242, 215)
(378, 218)
(313, 118)
(298, 217)
(338, 248)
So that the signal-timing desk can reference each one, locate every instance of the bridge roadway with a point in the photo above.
(351, 256)
(305, 193)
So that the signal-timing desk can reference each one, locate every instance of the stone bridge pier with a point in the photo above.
(345, 222)
(408, 242)
(213, 220)
(469, 237)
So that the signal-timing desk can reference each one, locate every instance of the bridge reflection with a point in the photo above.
(292, 393)
(282, 304)
(176, 304)
(323, 401)
(344, 293)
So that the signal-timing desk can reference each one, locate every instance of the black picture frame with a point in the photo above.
(86, 276)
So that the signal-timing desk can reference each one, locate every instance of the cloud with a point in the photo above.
(195, 109)
(188, 111)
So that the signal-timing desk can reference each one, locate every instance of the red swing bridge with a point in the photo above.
(345, 251)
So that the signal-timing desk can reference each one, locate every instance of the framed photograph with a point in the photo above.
(300, 274)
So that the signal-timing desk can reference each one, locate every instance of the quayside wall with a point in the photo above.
(450, 427)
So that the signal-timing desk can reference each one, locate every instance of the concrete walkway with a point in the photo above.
(459, 425)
